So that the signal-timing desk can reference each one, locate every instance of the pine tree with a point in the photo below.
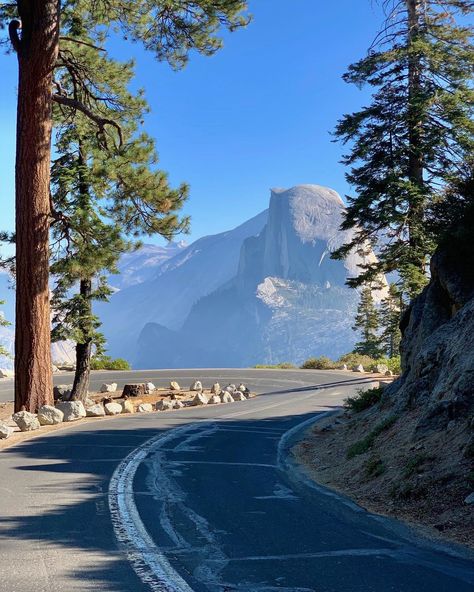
(104, 190)
(367, 324)
(389, 318)
(413, 137)
(38, 32)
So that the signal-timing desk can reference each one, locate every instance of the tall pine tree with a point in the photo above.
(38, 32)
(366, 323)
(106, 188)
(413, 137)
(389, 319)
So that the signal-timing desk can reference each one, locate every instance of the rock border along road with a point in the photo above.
(203, 499)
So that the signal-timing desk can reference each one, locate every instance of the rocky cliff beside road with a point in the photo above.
(412, 454)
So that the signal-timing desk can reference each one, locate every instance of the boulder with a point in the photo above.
(470, 499)
(150, 387)
(164, 405)
(216, 389)
(26, 421)
(196, 386)
(73, 410)
(88, 402)
(358, 368)
(128, 406)
(145, 408)
(6, 373)
(109, 388)
(381, 368)
(49, 415)
(113, 408)
(200, 399)
(134, 390)
(226, 397)
(96, 410)
(389, 373)
(5, 431)
(178, 404)
(215, 400)
(238, 396)
(62, 391)
(344, 367)
(174, 386)
(242, 388)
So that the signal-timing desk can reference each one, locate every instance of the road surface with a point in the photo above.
(204, 499)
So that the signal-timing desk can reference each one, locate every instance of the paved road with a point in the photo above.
(205, 499)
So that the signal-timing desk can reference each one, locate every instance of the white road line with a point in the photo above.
(148, 562)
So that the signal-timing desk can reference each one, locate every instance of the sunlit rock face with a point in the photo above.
(287, 301)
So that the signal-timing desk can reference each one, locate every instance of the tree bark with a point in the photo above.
(37, 51)
(80, 387)
(415, 131)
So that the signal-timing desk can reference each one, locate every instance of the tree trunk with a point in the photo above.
(37, 50)
(80, 388)
(415, 134)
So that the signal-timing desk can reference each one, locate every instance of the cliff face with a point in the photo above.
(287, 301)
(438, 343)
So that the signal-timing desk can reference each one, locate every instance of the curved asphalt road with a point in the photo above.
(212, 503)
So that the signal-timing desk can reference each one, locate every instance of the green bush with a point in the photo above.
(352, 359)
(364, 399)
(321, 363)
(414, 463)
(374, 467)
(108, 363)
(280, 366)
(362, 446)
(393, 364)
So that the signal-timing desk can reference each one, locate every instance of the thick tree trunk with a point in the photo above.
(80, 388)
(415, 135)
(37, 51)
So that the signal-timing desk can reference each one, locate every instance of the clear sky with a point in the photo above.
(256, 115)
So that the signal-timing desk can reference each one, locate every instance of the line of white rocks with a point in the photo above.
(67, 411)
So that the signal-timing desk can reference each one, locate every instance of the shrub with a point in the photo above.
(352, 359)
(364, 399)
(321, 363)
(374, 467)
(108, 363)
(362, 446)
(393, 364)
(414, 463)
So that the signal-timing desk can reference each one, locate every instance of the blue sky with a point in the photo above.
(256, 115)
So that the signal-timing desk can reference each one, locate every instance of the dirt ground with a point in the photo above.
(424, 482)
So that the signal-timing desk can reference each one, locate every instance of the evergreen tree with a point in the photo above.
(38, 32)
(413, 137)
(105, 188)
(367, 324)
(389, 319)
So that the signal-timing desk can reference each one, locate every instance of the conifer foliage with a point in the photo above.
(411, 141)
(367, 325)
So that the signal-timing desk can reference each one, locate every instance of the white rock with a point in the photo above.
(389, 373)
(113, 408)
(5, 431)
(164, 405)
(174, 386)
(128, 406)
(469, 499)
(150, 387)
(381, 368)
(200, 399)
(239, 396)
(55, 369)
(145, 408)
(73, 410)
(230, 388)
(226, 398)
(88, 403)
(344, 367)
(49, 415)
(242, 388)
(216, 389)
(26, 421)
(96, 410)
(6, 373)
(215, 400)
(109, 388)
(358, 368)
(196, 386)
(178, 404)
